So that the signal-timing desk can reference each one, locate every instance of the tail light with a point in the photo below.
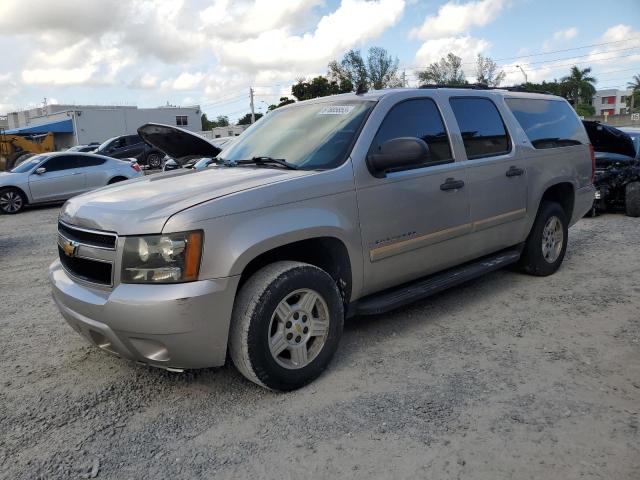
(136, 167)
(593, 163)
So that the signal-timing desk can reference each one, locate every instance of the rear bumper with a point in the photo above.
(170, 326)
(583, 203)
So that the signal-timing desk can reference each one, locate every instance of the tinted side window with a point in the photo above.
(547, 123)
(418, 118)
(481, 125)
(89, 161)
(133, 140)
(55, 164)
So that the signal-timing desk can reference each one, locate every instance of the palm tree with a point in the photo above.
(578, 85)
(635, 87)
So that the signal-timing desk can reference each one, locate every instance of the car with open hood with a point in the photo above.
(617, 157)
(345, 205)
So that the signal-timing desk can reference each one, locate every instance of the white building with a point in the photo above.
(228, 131)
(82, 124)
(611, 101)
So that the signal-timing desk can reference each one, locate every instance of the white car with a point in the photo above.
(55, 177)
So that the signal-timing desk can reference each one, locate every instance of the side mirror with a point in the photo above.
(40, 170)
(398, 153)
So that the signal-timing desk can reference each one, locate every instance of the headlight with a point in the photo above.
(170, 258)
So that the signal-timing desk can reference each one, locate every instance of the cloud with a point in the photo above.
(454, 18)
(559, 37)
(185, 81)
(466, 47)
(353, 23)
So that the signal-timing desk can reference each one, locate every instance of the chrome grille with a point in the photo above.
(86, 254)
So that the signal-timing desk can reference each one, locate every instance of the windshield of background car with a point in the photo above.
(105, 144)
(29, 164)
(313, 136)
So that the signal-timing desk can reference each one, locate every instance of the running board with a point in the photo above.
(395, 297)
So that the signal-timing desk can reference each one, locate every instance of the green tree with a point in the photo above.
(585, 110)
(246, 120)
(283, 101)
(380, 70)
(448, 71)
(554, 87)
(578, 86)
(487, 72)
(222, 121)
(319, 87)
(635, 92)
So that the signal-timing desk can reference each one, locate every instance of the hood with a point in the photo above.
(143, 205)
(177, 142)
(609, 139)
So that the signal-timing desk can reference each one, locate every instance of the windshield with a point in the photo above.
(635, 136)
(29, 164)
(104, 144)
(311, 136)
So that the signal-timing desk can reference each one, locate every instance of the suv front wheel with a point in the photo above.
(286, 325)
(547, 242)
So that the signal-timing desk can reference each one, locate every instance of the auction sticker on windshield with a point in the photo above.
(336, 110)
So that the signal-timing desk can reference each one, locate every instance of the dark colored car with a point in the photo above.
(90, 147)
(617, 174)
(131, 146)
(189, 162)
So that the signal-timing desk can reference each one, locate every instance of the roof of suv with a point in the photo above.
(375, 95)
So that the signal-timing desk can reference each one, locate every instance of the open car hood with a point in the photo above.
(177, 142)
(609, 139)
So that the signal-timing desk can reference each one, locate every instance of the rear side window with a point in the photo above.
(418, 118)
(481, 125)
(547, 123)
(89, 161)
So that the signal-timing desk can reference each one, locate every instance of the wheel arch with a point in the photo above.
(327, 252)
(21, 190)
(563, 193)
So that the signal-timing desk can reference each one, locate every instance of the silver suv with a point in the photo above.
(338, 206)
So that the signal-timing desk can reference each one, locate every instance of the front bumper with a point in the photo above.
(174, 326)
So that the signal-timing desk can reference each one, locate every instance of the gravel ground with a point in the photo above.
(508, 376)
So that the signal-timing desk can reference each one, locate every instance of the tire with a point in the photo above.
(116, 180)
(286, 286)
(12, 201)
(154, 160)
(632, 199)
(544, 250)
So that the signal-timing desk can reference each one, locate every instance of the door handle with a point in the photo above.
(451, 184)
(514, 171)
(76, 173)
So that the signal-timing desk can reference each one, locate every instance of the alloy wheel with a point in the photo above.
(552, 239)
(299, 328)
(10, 201)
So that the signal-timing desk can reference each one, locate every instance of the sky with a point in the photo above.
(209, 52)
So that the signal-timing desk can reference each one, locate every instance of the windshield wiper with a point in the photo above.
(261, 161)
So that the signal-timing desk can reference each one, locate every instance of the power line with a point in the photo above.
(551, 52)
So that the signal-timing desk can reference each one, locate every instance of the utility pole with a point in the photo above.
(523, 73)
(253, 113)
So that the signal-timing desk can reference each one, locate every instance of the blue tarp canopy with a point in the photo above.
(61, 126)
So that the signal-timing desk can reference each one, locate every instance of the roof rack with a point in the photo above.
(482, 86)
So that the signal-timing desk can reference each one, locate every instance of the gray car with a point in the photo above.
(337, 206)
(55, 177)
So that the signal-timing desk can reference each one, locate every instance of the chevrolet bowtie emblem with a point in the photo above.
(70, 248)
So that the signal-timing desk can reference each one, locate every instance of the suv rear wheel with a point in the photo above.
(547, 242)
(286, 325)
(632, 199)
